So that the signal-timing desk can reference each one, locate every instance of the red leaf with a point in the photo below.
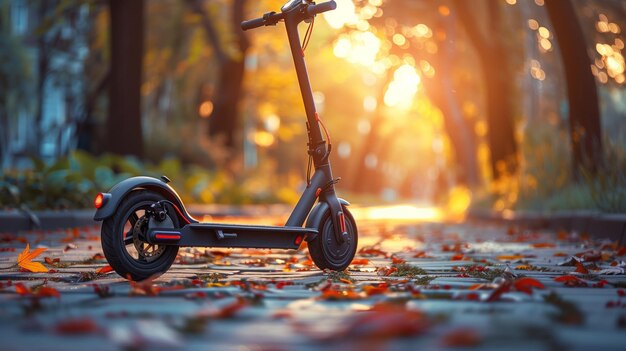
(461, 338)
(566, 278)
(525, 285)
(495, 295)
(581, 269)
(77, 326)
(571, 281)
(621, 252)
(46, 291)
(22, 289)
(105, 269)
(397, 260)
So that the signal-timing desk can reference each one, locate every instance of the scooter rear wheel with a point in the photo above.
(326, 251)
(123, 238)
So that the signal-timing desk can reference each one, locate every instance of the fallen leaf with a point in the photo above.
(543, 245)
(76, 326)
(360, 262)
(509, 257)
(581, 269)
(397, 260)
(526, 285)
(144, 287)
(371, 251)
(571, 281)
(46, 291)
(105, 269)
(461, 338)
(376, 289)
(24, 260)
(22, 289)
(503, 288)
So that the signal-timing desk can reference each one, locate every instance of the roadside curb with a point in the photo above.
(17, 220)
(598, 225)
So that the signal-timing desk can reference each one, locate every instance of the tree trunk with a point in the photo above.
(224, 121)
(441, 91)
(498, 93)
(584, 113)
(123, 128)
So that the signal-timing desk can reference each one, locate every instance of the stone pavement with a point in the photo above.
(412, 286)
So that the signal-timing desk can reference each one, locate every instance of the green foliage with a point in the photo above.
(407, 270)
(608, 187)
(73, 181)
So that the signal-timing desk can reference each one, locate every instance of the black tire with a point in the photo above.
(115, 243)
(326, 251)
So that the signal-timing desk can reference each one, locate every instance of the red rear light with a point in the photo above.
(99, 200)
(298, 240)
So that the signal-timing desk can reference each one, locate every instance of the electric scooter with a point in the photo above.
(145, 221)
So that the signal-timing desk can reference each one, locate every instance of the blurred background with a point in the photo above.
(490, 105)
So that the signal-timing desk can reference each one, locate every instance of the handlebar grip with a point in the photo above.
(253, 23)
(313, 10)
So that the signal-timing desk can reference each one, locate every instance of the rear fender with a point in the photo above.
(123, 188)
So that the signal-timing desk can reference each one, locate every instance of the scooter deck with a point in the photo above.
(232, 235)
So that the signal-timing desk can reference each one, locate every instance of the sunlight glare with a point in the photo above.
(358, 47)
(402, 89)
(344, 14)
(399, 213)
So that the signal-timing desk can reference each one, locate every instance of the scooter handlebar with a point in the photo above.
(313, 10)
(253, 23)
(268, 19)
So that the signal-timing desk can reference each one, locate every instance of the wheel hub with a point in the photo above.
(144, 249)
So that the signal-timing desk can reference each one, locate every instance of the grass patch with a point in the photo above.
(407, 270)
(488, 273)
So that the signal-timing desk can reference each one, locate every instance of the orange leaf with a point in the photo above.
(22, 289)
(105, 269)
(543, 245)
(360, 261)
(560, 254)
(509, 257)
(24, 260)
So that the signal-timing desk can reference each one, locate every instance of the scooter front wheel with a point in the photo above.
(326, 251)
(123, 238)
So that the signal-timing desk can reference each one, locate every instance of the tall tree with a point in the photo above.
(584, 112)
(224, 121)
(497, 74)
(123, 127)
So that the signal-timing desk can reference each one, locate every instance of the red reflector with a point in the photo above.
(167, 236)
(298, 240)
(98, 201)
(342, 222)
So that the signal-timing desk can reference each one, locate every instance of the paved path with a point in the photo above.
(412, 286)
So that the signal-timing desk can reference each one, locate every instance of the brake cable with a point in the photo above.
(307, 35)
